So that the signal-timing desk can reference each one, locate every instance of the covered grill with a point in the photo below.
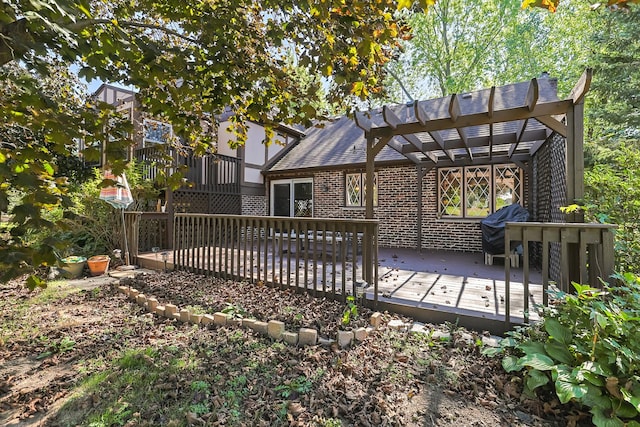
(493, 227)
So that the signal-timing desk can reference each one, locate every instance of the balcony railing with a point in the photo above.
(213, 173)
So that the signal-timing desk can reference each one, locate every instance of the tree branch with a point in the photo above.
(78, 25)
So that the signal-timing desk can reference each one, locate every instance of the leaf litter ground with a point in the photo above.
(71, 356)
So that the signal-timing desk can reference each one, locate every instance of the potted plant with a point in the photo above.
(72, 266)
(98, 264)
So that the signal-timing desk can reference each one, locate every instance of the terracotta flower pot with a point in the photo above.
(98, 265)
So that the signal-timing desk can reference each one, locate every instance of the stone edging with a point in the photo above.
(275, 329)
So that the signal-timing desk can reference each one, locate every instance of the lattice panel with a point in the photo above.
(202, 202)
(153, 233)
(191, 202)
(478, 195)
(450, 181)
(225, 204)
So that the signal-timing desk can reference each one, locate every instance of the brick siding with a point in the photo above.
(253, 205)
(397, 196)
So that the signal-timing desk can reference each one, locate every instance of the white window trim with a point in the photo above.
(462, 196)
(291, 183)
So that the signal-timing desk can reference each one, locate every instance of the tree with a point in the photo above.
(615, 94)
(450, 45)
(461, 46)
(189, 61)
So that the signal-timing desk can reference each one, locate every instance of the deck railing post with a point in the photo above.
(507, 274)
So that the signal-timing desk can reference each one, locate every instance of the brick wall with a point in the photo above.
(446, 234)
(253, 205)
(397, 209)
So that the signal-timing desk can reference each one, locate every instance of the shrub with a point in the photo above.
(613, 196)
(92, 226)
(586, 349)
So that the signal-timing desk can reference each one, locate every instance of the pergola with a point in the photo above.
(502, 124)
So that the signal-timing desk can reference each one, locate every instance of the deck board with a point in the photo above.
(438, 289)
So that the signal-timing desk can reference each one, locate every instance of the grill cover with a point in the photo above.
(493, 227)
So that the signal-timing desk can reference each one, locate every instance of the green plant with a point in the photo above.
(201, 392)
(235, 311)
(199, 408)
(63, 345)
(350, 311)
(613, 196)
(586, 350)
(296, 386)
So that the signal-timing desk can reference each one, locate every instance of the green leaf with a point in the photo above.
(531, 347)
(567, 391)
(595, 399)
(536, 378)
(596, 368)
(559, 352)
(557, 331)
(34, 282)
(629, 397)
(600, 419)
(537, 361)
(624, 409)
(511, 364)
(491, 351)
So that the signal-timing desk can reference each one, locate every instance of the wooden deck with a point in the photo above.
(432, 285)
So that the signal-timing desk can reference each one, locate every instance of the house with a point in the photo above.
(229, 181)
(439, 166)
(420, 175)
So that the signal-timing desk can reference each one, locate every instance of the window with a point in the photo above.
(356, 189)
(477, 191)
(156, 132)
(292, 197)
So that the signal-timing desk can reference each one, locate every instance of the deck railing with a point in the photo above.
(585, 250)
(214, 173)
(147, 230)
(323, 257)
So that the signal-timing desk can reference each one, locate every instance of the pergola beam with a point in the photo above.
(475, 119)
(491, 136)
(415, 142)
(582, 86)
(483, 141)
(413, 156)
(465, 141)
(514, 146)
(532, 94)
(390, 117)
(454, 108)
(553, 124)
(518, 157)
(492, 97)
(423, 118)
(363, 121)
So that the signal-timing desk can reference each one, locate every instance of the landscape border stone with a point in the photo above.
(276, 329)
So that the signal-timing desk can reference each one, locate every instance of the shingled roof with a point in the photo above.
(338, 142)
(498, 124)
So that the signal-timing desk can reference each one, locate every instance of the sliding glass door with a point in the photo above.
(292, 197)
